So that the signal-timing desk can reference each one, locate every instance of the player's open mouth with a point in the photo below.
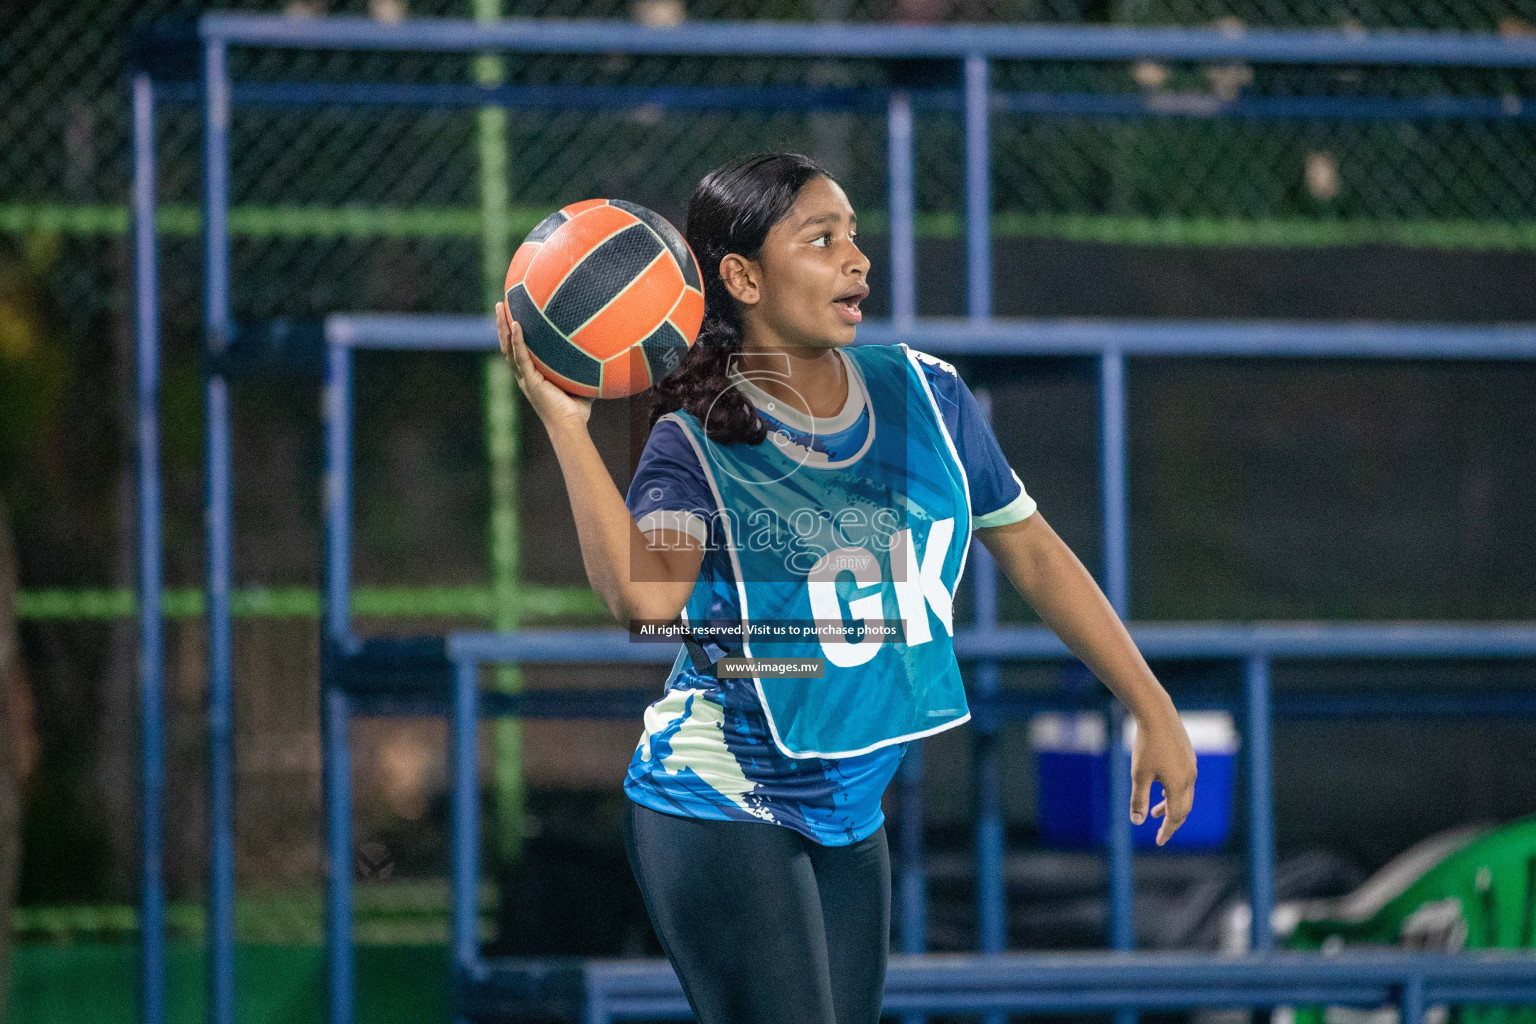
(848, 305)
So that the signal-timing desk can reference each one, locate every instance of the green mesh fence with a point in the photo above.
(413, 173)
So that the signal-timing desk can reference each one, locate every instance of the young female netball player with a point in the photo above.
(791, 478)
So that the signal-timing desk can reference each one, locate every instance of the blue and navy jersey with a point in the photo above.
(706, 751)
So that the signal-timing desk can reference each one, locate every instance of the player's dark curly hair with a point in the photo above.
(731, 210)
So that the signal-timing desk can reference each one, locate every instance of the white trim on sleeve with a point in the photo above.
(1019, 508)
(681, 520)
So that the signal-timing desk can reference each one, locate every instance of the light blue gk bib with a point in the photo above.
(854, 561)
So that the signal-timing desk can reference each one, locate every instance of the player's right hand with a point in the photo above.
(552, 404)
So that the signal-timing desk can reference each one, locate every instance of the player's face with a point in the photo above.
(813, 271)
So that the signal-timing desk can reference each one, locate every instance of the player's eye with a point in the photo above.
(828, 237)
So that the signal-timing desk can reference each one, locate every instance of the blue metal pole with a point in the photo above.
(466, 826)
(221, 839)
(335, 721)
(1053, 337)
(914, 922)
(978, 192)
(1261, 810)
(912, 893)
(991, 920)
(1042, 104)
(991, 893)
(1412, 1000)
(1122, 917)
(1122, 914)
(337, 411)
(151, 562)
(991, 910)
(765, 39)
(901, 190)
(335, 711)
(1112, 417)
(912, 884)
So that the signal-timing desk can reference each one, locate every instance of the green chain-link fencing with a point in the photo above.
(337, 207)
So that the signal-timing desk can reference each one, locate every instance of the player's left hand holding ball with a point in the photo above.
(551, 403)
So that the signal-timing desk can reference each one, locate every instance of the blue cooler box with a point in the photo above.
(1072, 774)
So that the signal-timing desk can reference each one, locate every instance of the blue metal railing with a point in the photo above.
(611, 98)
(976, 333)
(1047, 337)
(771, 39)
(1036, 982)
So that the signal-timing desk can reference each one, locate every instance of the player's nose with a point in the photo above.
(858, 263)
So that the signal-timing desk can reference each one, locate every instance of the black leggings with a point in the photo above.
(763, 925)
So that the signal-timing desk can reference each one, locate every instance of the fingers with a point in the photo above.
(546, 397)
(521, 357)
(504, 324)
(1141, 792)
(1169, 828)
(510, 333)
(1176, 808)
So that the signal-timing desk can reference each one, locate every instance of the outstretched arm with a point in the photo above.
(1064, 593)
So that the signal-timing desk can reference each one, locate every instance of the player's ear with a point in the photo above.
(741, 277)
